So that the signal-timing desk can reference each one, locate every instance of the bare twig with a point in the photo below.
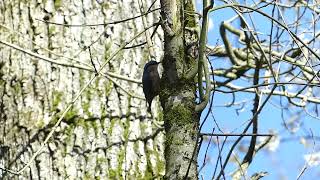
(233, 134)
(99, 24)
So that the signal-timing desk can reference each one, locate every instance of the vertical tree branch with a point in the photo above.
(248, 157)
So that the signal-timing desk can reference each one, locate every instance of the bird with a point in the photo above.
(151, 81)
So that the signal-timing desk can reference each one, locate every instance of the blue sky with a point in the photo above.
(287, 160)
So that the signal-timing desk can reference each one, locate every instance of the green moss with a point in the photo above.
(121, 156)
(101, 160)
(106, 5)
(136, 147)
(137, 174)
(69, 133)
(17, 86)
(85, 125)
(96, 83)
(143, 127)
(108, 88)
(86, 106)
(126, 129)
(112, 174)
(52, 30)
(107, 50)
(148, 174)
(112, 123)
(54, 120)
(172, 139)
(69, 130)
(179, 115)
(189, 15)
(87, 176)
(81, 78)
(71, 116)
(160, 116)
(129, 104)
(117, 173)
(40, 124)
(103, 119)
(95, 127)
(160, 165)
(57, 4)
(2, 82)
(169, 139)
(57, 97)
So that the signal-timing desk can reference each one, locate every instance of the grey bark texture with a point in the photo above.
(107, 134)
(178, 93)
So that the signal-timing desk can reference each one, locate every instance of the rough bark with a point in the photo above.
(107, 134)
(178, 93)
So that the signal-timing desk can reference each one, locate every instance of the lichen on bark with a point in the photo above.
(96, 138)
(177, 92)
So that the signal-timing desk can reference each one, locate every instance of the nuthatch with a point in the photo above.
(151, 82)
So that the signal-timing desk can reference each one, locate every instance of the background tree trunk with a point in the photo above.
(107, 134)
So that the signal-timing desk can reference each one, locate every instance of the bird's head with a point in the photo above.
(151, 63)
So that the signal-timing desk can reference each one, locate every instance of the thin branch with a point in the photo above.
(269, 17)
(143, 43)
(99, 24)
(45, 49)
(148, 37)
(206, 153)
(219, 84)
(43, 57)
(232, 134)
(249, 155)
(47, 59)
(266, 91)
(94, 66)
(306, 164)
(202, 65)
(202, 41)
(245, 130)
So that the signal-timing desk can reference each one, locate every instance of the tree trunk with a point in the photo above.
(178, 93)
(107, 133)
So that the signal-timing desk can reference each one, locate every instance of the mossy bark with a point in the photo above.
(106, 134)
(178, 93)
